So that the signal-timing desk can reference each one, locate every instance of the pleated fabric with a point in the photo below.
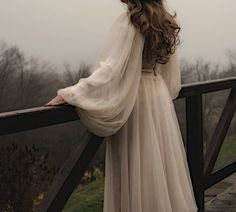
(146, 165)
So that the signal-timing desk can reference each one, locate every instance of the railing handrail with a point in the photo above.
(11, 121)
(37, 117)
(203, 87)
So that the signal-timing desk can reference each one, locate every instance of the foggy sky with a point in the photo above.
(73, 31)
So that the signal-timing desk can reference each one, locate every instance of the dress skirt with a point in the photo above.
(146, 168)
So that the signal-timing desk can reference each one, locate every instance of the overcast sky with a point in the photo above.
(73, 31)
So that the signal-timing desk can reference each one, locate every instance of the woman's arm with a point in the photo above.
(105, 99)
(171, 74)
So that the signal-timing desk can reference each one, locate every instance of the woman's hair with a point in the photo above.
(157, 25)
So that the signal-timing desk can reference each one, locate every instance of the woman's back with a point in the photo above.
(146, 168)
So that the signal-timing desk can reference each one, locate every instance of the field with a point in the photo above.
(87, 198)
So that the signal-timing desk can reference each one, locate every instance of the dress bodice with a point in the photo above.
(147, 67)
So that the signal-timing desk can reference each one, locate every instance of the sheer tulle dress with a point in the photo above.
(146, 167)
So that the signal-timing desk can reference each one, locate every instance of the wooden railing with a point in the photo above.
(72, 170)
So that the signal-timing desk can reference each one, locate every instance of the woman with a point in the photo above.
(128, 100)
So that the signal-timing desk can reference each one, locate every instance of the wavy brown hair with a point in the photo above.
(158, 26)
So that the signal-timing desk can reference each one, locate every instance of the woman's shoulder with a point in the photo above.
(122, 16)
(123, 21)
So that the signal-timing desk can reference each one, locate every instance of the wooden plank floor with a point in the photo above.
(222, 196)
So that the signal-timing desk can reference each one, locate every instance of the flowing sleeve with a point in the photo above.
(171, 74)
(105, 99)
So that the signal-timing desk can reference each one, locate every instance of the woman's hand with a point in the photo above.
(58, 100)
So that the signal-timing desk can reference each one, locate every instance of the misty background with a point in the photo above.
(47, 45)
(74, 31)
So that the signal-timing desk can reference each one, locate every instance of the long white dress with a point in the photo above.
(146, 167)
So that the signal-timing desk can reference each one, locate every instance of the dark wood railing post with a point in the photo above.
(70, 173)
(195, 146)
(220, 132)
